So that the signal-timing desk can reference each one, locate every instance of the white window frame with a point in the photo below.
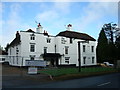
(93, 59)
(84, 48)
(92, 48)
(67, 60)
(66, 49)
(32, 49)
(84, 60)
(45, 49)
(32, 37)
(48, 40)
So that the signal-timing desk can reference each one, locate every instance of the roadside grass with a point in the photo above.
(69, 71)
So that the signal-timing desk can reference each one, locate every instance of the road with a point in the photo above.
(104, 81)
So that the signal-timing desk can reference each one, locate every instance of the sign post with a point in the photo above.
(32, 70)
(32, 63)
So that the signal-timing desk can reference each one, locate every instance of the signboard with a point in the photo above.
(35, 63)
(32, 70)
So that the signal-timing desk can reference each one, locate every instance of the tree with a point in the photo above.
(112, 54)
(102, 47)
(117, 43)
(108, 48)
(1, 48)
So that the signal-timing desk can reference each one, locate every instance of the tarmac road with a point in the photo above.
(103, 81)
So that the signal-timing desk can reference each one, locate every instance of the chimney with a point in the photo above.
(17, 34)
(69, 27)
(39, 28)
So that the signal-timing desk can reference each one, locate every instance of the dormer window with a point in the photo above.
(32, 37)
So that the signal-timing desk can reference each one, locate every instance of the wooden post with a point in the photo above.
(79, 56)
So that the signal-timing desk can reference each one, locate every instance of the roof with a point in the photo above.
(30, 30)
(76, 35)
(51, 55)
(16, 41)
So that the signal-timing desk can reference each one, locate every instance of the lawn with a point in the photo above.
(67, 71)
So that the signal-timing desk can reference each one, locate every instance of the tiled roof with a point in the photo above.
(16, 41)
(76, 35)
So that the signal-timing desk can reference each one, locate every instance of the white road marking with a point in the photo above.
(104, 84)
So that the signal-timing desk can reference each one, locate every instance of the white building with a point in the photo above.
(3, 56)
(61, 49)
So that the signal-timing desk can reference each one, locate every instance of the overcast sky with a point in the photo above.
(86, 17)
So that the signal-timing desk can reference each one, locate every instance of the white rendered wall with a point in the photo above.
(41, 42)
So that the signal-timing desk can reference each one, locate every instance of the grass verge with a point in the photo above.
(70, 73)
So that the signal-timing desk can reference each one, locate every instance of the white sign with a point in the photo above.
(35, 63)
(32, 70)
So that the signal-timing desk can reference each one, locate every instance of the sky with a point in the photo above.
(85, 17)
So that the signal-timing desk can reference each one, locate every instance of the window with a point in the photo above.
(63, 40)
(32, 47)
(83, 48)
(32, 37)
(17, 50)
(92, 48)
(71, 41)
(10, 51)
(67, 60)
(17, 59)
(84, 60)
(45, 49)
(93, 59)
(32, 57)
(48, 40)
(3, 59)
(13, 60)
(66, 49)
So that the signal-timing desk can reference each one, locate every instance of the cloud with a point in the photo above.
(13, 23)
(63, 7)
(47, 16)
(96, 12)
(53, 12)
(59, 0)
